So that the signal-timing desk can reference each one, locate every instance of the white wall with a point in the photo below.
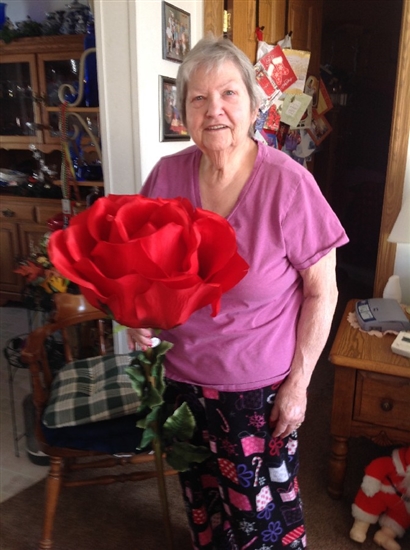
(150, 66)
(129, 54)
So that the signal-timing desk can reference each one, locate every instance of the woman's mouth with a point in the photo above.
(216, 127)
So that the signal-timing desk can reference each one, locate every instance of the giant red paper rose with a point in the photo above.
(150, 262)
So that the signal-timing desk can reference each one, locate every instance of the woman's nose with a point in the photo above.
(214, 105)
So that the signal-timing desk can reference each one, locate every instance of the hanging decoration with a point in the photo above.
(68, 180)
(72, 140)
(294, 102)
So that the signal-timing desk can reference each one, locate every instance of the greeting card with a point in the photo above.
(299, 61)
(278, 68)
(294, 107)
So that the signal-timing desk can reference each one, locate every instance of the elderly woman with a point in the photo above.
(245, 372)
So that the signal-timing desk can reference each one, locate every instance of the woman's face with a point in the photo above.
(218, 109)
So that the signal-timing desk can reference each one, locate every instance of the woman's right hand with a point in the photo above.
(139, 337)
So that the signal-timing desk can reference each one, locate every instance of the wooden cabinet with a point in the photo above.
(242, 21)
(371, 395)
(382, 400)
(302, 17)
(23, 223)
(31, 72)
(9, 247)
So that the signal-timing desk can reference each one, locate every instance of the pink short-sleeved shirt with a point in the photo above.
(283, 225)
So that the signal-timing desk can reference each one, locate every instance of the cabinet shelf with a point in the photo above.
(84, 183)
(10, 145)
(74, 109)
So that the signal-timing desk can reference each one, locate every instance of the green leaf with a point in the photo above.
(147, 437)
(157, 418)
(181, 455)
(180, 424)
(158, 374)
(142, 423)
(137, 378)
(150, 418)
(151, 397)
(142, 412)
(162, 348)
(140, 359)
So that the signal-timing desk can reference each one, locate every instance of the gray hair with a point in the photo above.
(211, 53)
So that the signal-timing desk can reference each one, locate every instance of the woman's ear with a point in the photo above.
(254, 115)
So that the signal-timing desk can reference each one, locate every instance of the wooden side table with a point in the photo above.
(371, 396)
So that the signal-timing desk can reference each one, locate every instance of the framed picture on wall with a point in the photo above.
(176, 33)
(171, 127)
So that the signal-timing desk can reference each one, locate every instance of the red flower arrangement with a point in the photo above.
(149, 262)
(42, 279)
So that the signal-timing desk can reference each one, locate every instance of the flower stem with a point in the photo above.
(149, 354)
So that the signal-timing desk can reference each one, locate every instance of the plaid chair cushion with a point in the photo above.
(90, 390)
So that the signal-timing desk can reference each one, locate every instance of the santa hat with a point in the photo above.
(401, 461)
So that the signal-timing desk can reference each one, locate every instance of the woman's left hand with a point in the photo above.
(289, 409)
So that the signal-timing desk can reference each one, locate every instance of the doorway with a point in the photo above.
(359, 55)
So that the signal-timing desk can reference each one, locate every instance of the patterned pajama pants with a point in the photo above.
(246, 495)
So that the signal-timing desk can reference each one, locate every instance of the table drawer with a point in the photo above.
(14, 210)
(382, 399)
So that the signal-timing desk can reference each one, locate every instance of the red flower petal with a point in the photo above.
(152, 262)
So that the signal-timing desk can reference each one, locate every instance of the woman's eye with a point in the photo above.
(198, 98)
(229, 92)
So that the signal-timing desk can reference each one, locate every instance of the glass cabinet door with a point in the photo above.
(56, 69)
(19, 112)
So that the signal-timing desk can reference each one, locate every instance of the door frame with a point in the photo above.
(397, 158)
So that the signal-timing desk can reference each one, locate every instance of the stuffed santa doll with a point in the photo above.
(384, 496)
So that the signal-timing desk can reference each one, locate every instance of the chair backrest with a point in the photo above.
(71, 306)
(77, 330)
(81, 333)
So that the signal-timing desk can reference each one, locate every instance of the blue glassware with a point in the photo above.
(2, 14)
(90, 69)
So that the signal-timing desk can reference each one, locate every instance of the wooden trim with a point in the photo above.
(43, 44)
(393, 191)
(45, 148)
(213, 17)
(272, 15)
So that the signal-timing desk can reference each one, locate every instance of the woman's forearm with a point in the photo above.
(320, 299)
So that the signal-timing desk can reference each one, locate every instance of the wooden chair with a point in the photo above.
(72, 311)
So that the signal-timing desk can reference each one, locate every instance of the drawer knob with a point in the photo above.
(386, 405)
(8, 213)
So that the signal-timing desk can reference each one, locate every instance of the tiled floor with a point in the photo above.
(16, 473)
